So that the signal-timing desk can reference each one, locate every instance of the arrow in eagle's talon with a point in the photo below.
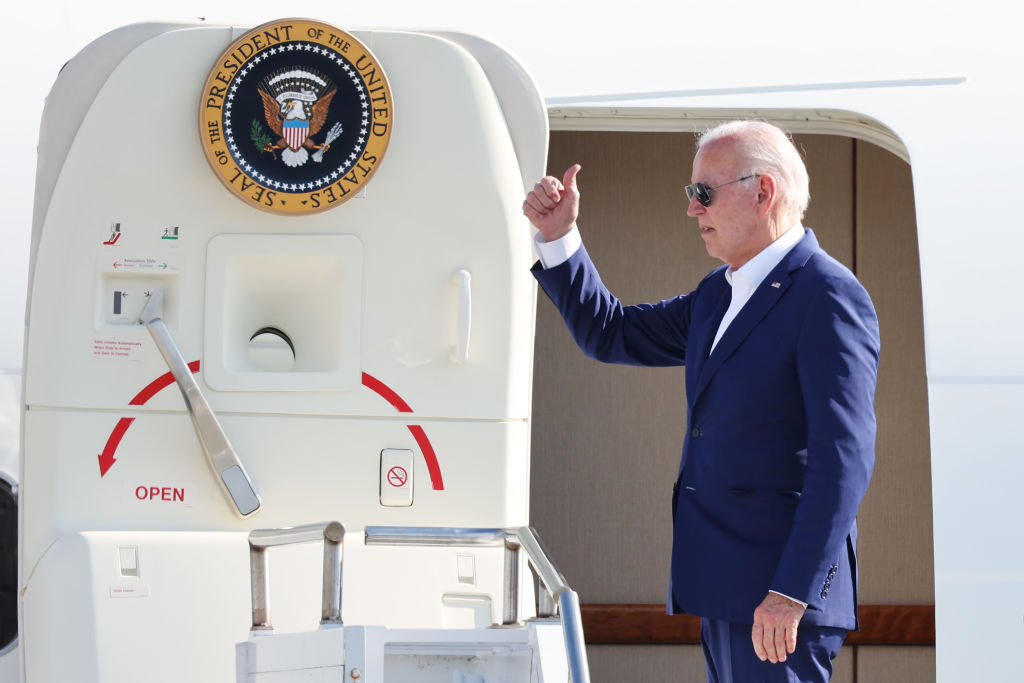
(332, 135)
(318, 156)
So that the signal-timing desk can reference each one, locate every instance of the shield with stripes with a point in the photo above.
(295, 132)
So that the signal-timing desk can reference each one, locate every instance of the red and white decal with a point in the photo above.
(165, 380)
(107, 460)
(371, 382)
(398, 477)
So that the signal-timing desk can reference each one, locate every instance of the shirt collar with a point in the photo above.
(756, 269)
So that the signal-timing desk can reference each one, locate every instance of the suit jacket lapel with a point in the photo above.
(707, 332)
(767, 294)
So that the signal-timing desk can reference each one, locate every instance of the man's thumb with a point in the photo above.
(569, 179)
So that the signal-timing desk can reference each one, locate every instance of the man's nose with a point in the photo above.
(695, 208)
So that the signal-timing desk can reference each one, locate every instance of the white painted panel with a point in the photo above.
(305, 470)
(977, 470)
(192, 596)
(412, 242)
(126, 536)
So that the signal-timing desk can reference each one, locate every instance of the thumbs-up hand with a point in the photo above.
(554, 204)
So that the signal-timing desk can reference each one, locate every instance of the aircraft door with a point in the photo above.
(351, 342)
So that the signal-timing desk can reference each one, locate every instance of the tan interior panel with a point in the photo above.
(896, 515)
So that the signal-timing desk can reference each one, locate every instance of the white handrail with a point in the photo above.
(464, 316)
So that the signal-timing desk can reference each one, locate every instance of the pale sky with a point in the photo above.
(571, 48)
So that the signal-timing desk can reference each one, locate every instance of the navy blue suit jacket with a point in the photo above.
(780, 426)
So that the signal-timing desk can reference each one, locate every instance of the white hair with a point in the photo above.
(766, 148)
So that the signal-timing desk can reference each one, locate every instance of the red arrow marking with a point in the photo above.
(429, 456)
(162, 382)
(386, 392)
(113, 241)
(165, 380)
(107, 458)
(394, 399)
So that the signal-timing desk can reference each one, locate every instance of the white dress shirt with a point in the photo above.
(747, 278)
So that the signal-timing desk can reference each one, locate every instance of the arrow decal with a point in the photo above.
(389, 395)
(429, 456)
(386, 392)
(162, 382)
(107, 459)
(165, 380)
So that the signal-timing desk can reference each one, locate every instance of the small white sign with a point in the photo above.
(396, 477)
(159, 264)
(129, 590)
(112, 348)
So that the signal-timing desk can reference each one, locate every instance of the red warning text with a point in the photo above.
(167, 494)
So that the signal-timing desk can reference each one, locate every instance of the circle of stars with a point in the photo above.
(357, 149)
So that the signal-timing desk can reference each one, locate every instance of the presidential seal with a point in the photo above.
(295, 116)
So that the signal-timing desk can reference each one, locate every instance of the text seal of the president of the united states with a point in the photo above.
(295, 116)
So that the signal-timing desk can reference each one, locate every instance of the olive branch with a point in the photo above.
(259, 136)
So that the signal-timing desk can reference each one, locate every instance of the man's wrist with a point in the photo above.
(799, 602)
(558, 251)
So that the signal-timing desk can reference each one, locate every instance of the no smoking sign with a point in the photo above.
(398, 477)
(396, 481)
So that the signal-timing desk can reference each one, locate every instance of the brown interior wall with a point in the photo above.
(606, 439)
(896, 516)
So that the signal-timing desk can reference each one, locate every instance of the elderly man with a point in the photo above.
(781, 348)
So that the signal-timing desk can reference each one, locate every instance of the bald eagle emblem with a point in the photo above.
(295, 105)
(288, 92)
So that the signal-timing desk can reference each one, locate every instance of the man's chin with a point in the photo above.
(709, 246)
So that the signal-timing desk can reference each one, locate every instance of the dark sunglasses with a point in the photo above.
(703, 192)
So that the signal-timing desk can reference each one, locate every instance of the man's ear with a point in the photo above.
(767, 193)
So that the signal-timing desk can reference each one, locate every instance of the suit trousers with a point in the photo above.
(729, 654)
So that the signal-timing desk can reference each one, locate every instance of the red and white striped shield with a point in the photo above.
(295, 133)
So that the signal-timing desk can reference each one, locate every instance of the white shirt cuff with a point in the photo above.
(558, 251)
(801, 602)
